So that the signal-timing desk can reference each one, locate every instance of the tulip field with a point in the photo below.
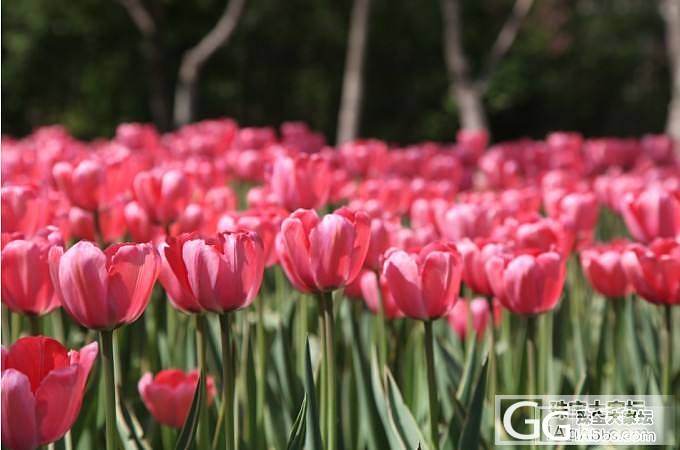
(230, 287)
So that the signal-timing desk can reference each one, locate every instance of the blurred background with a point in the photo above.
(597, 66)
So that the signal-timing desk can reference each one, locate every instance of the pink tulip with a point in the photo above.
(81, 184)
(474, 312)
(104, 289)
(300, 182)
(577, 210)
(24, 209)
(474, 256)
(169, 394)
(378, 298)
(220, 274)
(467, 220)
(364, 157)
(80, 224)
(26, 284)
(654, 271)
(266, 222)
(378, 243)
(139, 224)
(163, 194)
(527, 283)
(324, 254)
(653, 213)
(42, 390)
(424, 286)
(602, 266)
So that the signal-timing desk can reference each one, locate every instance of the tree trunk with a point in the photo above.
(670, 10)
(352, 84)
(466, 93)
(195, 58)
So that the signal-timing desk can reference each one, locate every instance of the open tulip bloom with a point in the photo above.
(273, 289)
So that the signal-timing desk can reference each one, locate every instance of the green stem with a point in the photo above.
(34, 324)
(203, 440)
(492, 350)
(381, 327)
(106, 337)
(329, 355)
(432, 385)
(261, 344)
(323, 371)
(531, 355)
(15, 319)
(668, 363)
(227, 381)
(99, 237)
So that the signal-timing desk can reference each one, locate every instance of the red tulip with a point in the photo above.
(169, 394)
(424, 286)
(474, 312)
(300, 181)
(104, 289)
(653, 213)
(163, 194)
(602, 266)
(378, 298)
(220, 274)
(654, 271)
(527, 283)
(26, 284)
(42, 390)
(474, 255)
(24, 209)
(323, 254)
(81, 184)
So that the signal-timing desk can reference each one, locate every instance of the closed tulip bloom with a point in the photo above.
(474, 312)
(80, 224)
(26, 283)
(139, 224)
(602, 266)
(474, 255)
(300, 181)
(378, 244)
(377, 295)
(527, 283)
(24, 209)
(654, 271)
(82, 184)
(653, 213)
(467, 220)
(169, 394)
(578, 210)
(162, 194)
(323, 254)
(42, 390)
(219, 274)
(103, 290)
(425, 285)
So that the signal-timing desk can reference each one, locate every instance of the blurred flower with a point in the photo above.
(82, 184)
(42, 390)
(169, 394)
(300, 181)
(654, 270)
(652, 213)
(475, 313)
(602, 266)
(163, 194)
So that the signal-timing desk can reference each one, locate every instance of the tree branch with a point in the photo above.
(195, 58)
(670, 11)
(140, 16)
(506, 37)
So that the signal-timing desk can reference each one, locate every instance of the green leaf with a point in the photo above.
(186, 436)
(393, 437)
(465, 386)
(403, 420)
(296, 441)
(314, 437)
(470, 436)
(129, 428)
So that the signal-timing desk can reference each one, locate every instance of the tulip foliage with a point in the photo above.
(239, 288)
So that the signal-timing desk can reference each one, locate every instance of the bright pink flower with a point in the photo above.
(424, 286)
(473, 312)
(364, 157)
(26, 284)
(80, 224)
(104, 289)
(300, 181)
(577, 210)
(527, 283)
(42, 390)
(323, 254)
(266, 222)
(653, 213)
(81, 184)
(163, 194)
(219, 274)
(138, 223)
(378, 298)
(654, 271)
(24, 209)
(467, 220)
(602, 266)
(379, 242)
(169, 394)
(474, 255)
(471, 144)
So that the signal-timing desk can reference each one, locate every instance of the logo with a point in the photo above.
(584, 420)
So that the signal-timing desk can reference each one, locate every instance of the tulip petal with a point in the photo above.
(19, 430)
